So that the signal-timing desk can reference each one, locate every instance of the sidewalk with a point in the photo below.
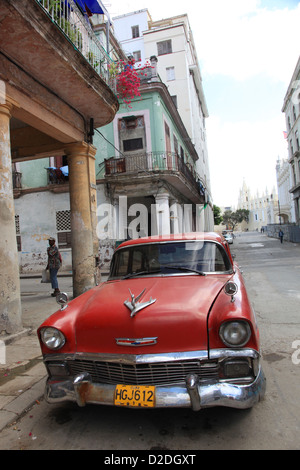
(23, 375)
(22, 378)
(22, 372)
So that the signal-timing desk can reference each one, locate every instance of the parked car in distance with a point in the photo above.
(171, 327)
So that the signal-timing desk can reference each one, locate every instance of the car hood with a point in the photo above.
(176, 315)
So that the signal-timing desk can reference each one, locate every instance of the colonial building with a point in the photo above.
(53, 86)
(150, 184)
(171, 41)
(263, 209)
(291, 108)
(283, 177)
(148, 180)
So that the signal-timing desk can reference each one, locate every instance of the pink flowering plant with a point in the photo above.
(127, 78)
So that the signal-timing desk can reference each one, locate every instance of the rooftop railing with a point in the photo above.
(77, 28)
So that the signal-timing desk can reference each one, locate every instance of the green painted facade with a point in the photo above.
(34, 172)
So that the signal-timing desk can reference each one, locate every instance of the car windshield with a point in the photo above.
(198, 257)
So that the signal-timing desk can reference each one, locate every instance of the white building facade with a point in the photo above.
(283, 177)
(291, 108)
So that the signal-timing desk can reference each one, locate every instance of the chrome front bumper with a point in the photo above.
(192, 395)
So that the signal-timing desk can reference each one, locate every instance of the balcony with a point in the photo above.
(55, 71)
(77, 28)
(166, 165)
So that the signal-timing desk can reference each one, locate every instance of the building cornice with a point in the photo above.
(291, 88)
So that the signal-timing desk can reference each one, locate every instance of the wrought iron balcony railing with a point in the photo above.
(153, 162)
(77, 28)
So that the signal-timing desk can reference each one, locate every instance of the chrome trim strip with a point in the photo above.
(154, 358)
(130, 358)
(228, 352)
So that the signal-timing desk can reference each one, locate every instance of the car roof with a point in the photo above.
(206, 236)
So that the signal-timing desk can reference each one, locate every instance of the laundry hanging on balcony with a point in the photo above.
(65, 170)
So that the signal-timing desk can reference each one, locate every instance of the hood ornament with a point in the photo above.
(135, 306)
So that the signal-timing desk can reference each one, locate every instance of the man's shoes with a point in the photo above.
(54, 294)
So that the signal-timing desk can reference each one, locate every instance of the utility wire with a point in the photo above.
(118, 150)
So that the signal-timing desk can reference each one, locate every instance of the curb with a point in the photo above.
(39, 276)
(22, 382)
(16, 408)
(8, 339)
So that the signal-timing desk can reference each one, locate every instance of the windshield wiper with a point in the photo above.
(182, 268)
(178, 268)
(141, 273)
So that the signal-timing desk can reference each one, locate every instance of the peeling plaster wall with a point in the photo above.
(106, 247)
(37, 222)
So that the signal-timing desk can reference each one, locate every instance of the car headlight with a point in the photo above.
(52, 338)
(235, 333)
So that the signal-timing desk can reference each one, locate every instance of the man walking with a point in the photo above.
(54, 263)
(280, 234)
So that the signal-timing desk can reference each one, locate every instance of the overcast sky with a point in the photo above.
(247, 51)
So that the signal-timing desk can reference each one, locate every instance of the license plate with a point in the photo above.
(135, 395)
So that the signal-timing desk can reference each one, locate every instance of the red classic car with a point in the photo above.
(171, 327)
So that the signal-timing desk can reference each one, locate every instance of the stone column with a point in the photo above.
(162, 214)
(200, 218)
(188, 218)
(175, 216)
(83, 203)
(10, 300)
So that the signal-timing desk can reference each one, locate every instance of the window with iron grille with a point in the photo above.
(63, 227)
(17, 222)
(64, 240)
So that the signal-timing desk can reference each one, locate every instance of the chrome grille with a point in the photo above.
(161, 373)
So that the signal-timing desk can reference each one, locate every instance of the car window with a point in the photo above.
(122, 262)
(156, 258)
